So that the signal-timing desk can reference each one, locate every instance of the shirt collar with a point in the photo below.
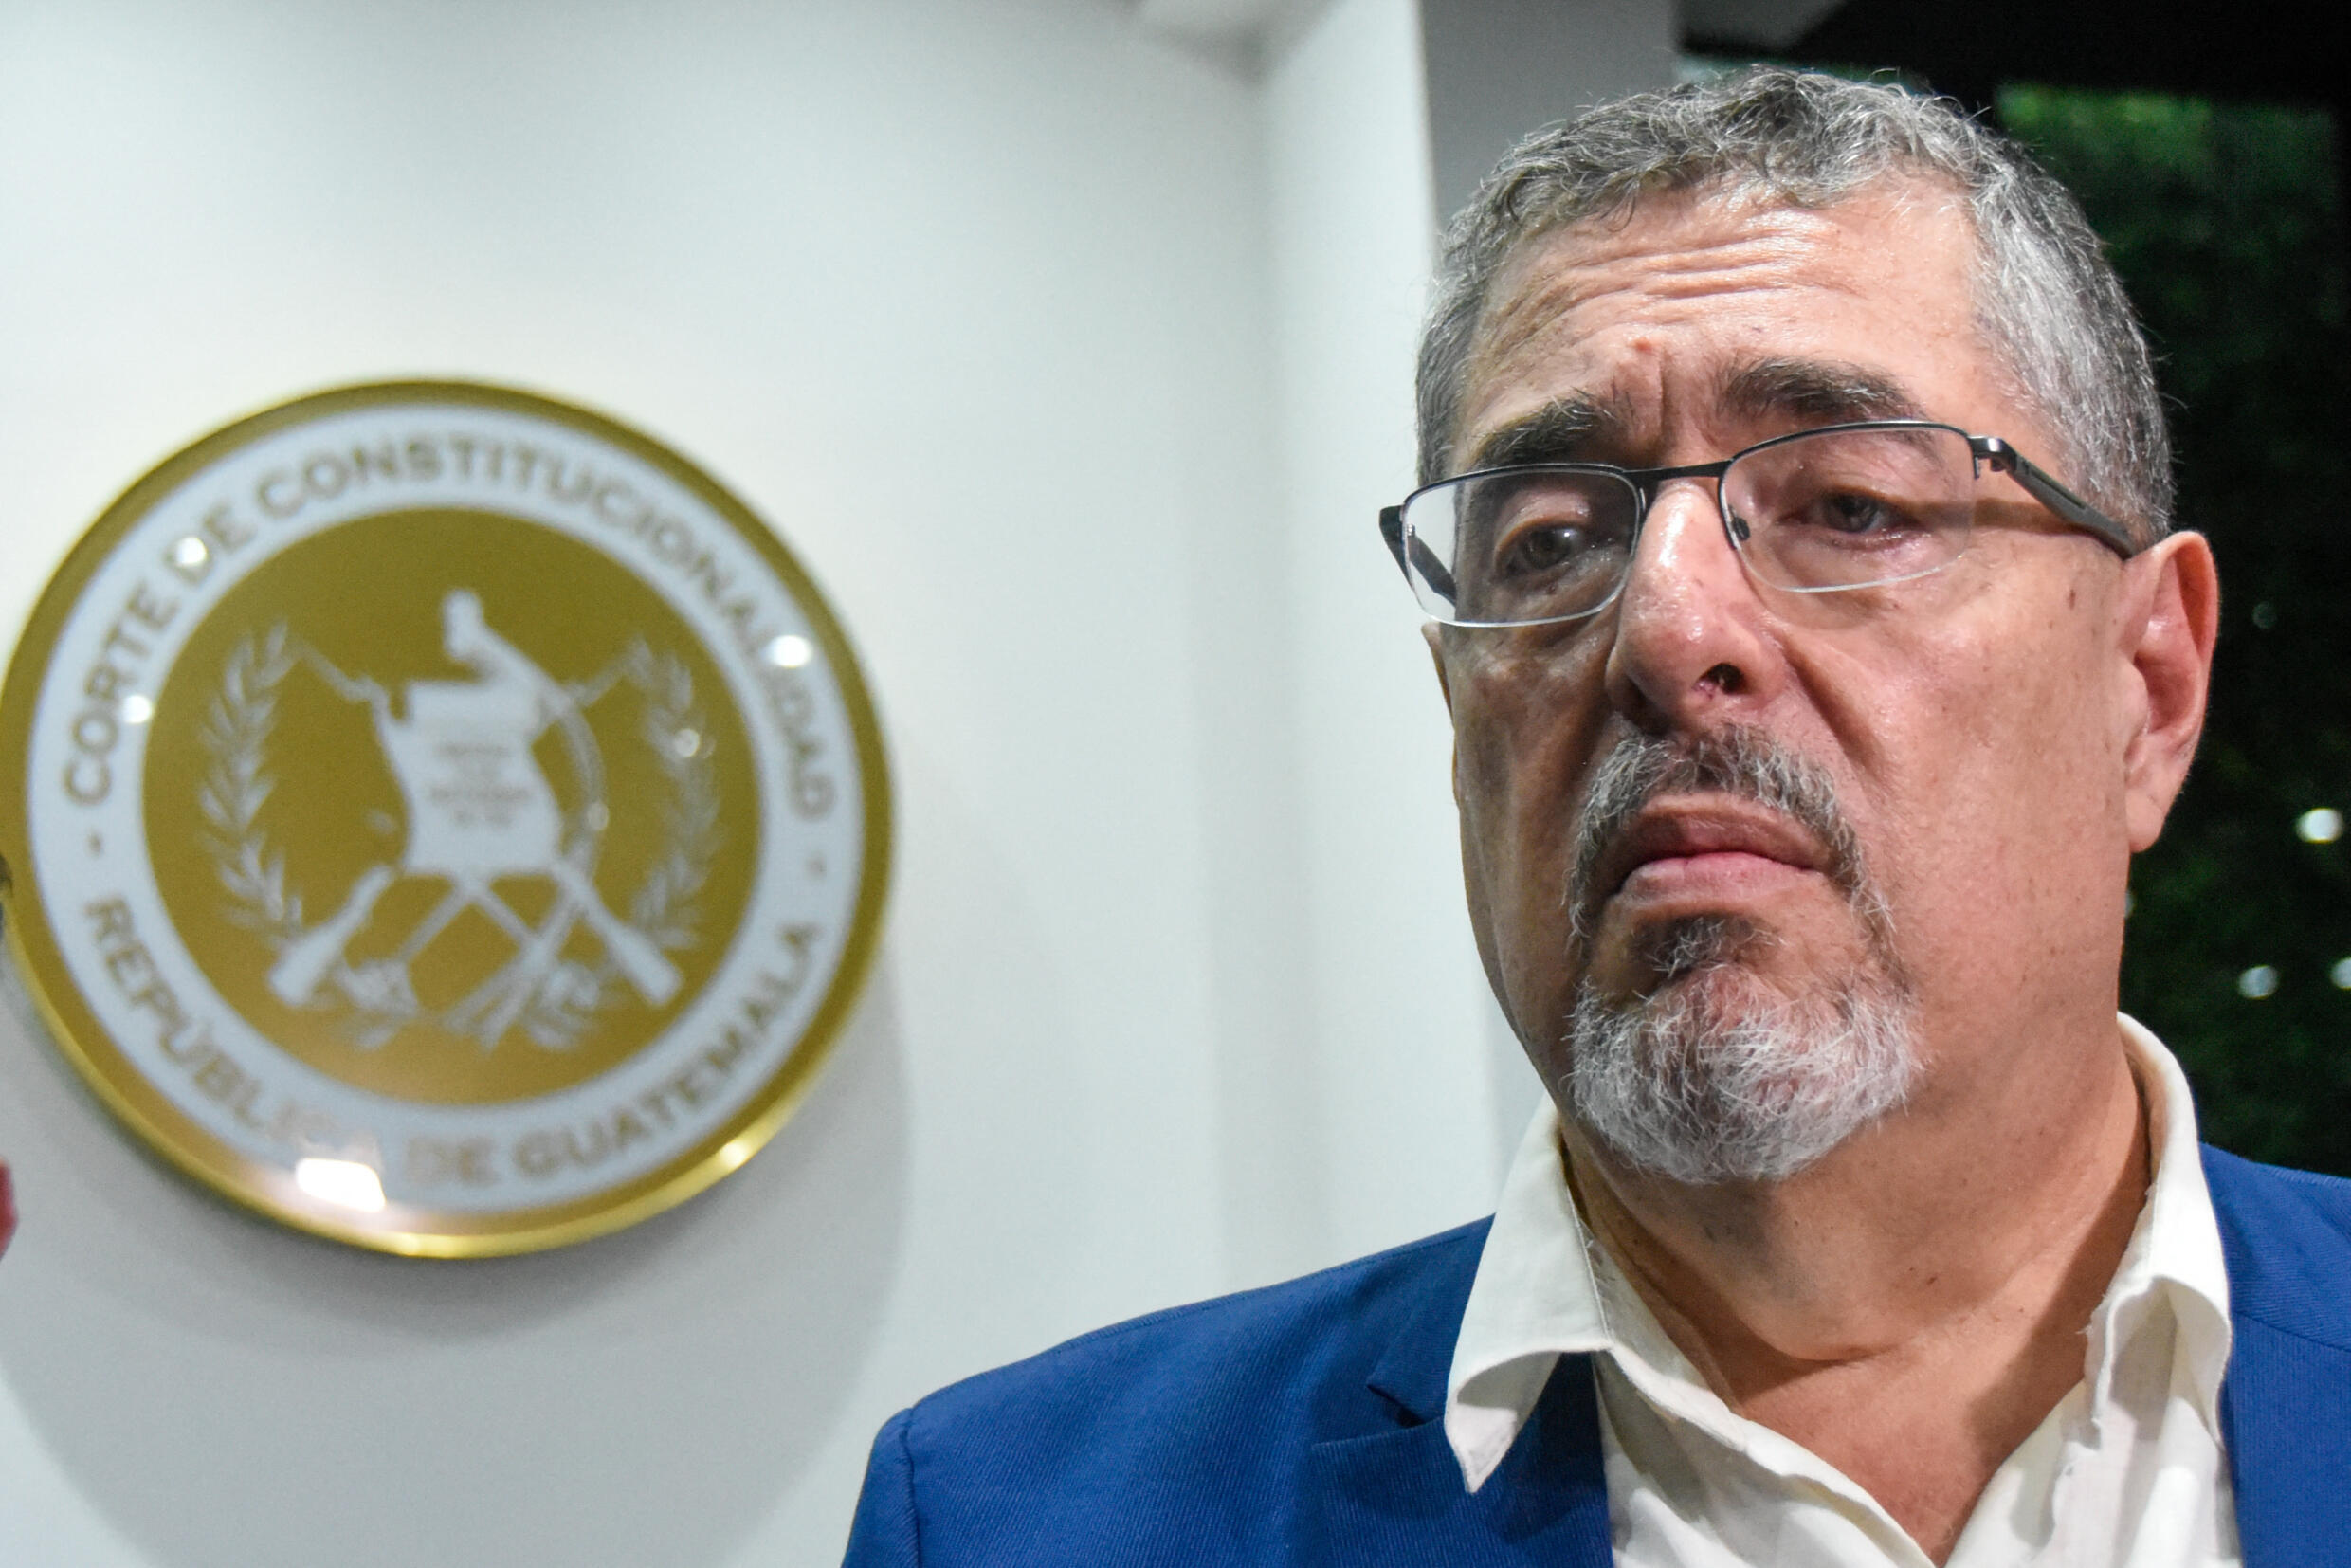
(1534, 1297)
(1537, 1292)
(2173, 1252)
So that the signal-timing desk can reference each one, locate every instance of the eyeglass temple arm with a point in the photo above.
(2043, 487)
(1431, 570)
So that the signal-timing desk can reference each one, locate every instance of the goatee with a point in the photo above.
(1713, 1075)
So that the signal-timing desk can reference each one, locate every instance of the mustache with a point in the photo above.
(1739, 760)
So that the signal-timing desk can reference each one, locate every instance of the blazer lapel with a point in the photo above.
(1396, 1496)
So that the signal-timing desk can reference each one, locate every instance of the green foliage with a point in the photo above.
(2224, 222)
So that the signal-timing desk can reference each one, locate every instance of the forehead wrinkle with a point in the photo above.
(1590, 261)
(1524, 314)
(1559, 273)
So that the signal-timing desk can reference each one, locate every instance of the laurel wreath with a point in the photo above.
(237, 784)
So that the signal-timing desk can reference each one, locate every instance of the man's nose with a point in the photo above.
(1689, 640)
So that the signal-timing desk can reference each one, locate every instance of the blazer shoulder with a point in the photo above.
(2287, 1238)
(1333, 1321)
(1194, 1425)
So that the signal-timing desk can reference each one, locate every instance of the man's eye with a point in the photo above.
(1544, 548)
(1853, 513)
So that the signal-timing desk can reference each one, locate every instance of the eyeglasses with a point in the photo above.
(1821, 511)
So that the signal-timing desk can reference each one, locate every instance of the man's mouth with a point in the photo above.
(1716, 826)
(1703, 848)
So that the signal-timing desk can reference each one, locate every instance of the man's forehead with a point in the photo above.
(1700, 258)
(1682, 238)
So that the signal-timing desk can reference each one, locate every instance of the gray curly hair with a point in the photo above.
(2046, 301)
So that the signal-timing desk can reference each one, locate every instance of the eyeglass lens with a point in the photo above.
(1829, 510)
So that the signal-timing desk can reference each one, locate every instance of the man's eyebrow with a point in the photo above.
(1815, 391)
(1561, 430)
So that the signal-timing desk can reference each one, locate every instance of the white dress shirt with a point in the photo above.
(2126, 1472)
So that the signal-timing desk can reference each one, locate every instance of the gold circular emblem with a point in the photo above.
(451, 823)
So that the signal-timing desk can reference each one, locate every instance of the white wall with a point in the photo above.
(1074, 363)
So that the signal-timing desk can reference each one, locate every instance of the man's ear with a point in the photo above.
(1433, 635)
(2174, 609)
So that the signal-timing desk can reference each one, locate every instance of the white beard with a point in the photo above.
(1715, 1077)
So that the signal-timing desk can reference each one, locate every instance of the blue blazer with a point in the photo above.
(1299, 1424)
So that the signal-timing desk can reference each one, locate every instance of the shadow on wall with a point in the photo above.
(227, 1393)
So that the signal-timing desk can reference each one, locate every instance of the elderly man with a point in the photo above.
(1796, 543)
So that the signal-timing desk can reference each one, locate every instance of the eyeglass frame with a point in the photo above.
(1987, 450)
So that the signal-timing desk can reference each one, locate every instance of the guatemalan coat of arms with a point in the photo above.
(450, 821)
